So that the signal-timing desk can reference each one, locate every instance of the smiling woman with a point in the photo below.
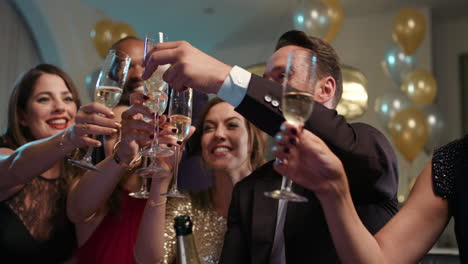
(34, 175)
(232, 148)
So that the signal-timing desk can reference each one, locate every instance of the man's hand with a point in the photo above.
(190, 67)
(307, 160)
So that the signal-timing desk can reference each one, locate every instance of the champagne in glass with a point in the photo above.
(182, 123)
(108, 95)
(156, 89)
(180, 113)
(297, 104)
(109, 87)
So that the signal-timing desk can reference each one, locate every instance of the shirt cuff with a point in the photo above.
(235, 86)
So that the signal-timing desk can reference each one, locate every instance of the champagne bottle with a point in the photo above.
(186, 249)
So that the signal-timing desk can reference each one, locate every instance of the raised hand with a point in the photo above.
(190, 67)
(92, 119)
(308, 161)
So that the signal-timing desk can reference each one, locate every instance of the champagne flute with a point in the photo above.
(109, 88)
(156, 89)
(180, 114)
(297, 104)
(143, 192)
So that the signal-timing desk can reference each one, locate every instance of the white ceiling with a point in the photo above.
(211, 23)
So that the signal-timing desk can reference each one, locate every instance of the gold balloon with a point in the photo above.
(102, 36)
(409, 27)
(336, 16)
(409, 132)
(420, 87)
(122, 30)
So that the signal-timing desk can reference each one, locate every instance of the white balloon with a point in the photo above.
(397, 64)
(311, 16)
(435, 125)
(387, 105)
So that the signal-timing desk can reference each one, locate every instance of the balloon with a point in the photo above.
(311, 16)
(353, 103)
(435, 125)
(409, 132)
(420, 87)
(387, 105)
(335, 14)
(102, 35)
(397, 64)
(409, 27)
(122, 30)
(91, 80)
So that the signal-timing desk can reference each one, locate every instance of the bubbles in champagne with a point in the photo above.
(297, 106)
(157, 102)
(156, 83)
(108, 95)
(182, 123)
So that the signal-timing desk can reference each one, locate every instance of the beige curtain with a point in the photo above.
(18, 53)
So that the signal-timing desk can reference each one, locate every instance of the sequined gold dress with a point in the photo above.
(208, 229)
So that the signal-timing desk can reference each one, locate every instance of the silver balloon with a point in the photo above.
(397, 64)
(387, 105)
(311, 16)
(91, 80)
(435, 125)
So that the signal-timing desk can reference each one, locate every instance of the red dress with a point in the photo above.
(114, 238)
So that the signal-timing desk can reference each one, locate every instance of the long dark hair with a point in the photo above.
(17, 135)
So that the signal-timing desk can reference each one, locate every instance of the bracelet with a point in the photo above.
(152, 203)
(121, 163)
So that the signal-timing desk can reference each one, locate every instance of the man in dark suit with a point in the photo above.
(261, 229)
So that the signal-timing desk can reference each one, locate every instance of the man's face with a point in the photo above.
(134, 49)
(276, 68)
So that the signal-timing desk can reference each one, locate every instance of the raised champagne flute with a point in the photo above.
(156, 89)
(109, 88)
(143, 192)
(297, 104)
(180, 114)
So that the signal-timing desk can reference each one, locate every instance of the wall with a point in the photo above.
(61, 30)
(450, 40)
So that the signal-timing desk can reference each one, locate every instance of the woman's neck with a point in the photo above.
(223, 184)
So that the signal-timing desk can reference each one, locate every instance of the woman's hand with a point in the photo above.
(308, 161)
(92, 119)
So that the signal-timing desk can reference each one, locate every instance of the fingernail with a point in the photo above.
(118, 124)
(151, 136)
(98, 144)
(179, 142)
(115, 131)
(168, 119)
(294, 131)
(286, 150)
(282, 127)
(169, 145)
(112, 113)
(278, 137)
(274, 148)
(174, 130)
(145, 97)
(292, 141)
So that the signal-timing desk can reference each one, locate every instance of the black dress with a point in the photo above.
(34, 227)
(450, 181)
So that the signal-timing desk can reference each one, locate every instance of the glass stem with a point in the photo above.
(89, 151)
(288, 186)
(176, 168)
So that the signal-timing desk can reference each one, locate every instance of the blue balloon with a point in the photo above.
(397, 64)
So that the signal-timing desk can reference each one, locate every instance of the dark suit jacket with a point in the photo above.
(369, 161)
